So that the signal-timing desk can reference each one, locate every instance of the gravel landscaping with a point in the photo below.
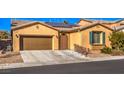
(10, 57)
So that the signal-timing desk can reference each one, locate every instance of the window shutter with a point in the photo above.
(103, 38)
(91, 38)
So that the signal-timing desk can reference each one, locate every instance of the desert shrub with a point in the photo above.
(117, 52)
(117, 40)
(106, 50)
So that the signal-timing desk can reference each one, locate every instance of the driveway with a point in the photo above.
(48, 57)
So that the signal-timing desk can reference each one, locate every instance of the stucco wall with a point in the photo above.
(75, 39)
(82, 38)
(85, 35)
(36, 29)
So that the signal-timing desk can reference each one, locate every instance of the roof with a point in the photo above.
(94, 24)
(85, 20)
(55, 24)
(119, 27)
(101, 21)
(18, 22)
(3, 31)
(60, 27)
(31, 23)
(89, 26)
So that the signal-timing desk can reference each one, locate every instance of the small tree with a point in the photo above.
(4, 35)
(117, 40)
(65, 22)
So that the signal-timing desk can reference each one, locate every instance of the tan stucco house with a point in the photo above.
(49, 36)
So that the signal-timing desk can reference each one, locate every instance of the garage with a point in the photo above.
(34, 36)
(35, 42)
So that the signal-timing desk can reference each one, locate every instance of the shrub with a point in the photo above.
(106, 50)
(117, 40)
(117, 52)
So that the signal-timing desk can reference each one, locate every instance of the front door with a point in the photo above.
(63, 41)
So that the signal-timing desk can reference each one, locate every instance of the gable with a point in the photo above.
(36, 28)
(98, 26)
(31, 24)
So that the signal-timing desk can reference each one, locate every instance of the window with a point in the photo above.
(96, 37)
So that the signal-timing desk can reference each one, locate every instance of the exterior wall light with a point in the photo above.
(17, 36)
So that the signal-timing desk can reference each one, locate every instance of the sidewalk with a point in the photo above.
(19, 65)
(107, 58)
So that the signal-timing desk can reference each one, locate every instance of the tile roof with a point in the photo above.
(30, 23)
(119, 27)
(18, 22)
(102, 21)
(57, 26)
(94, 24)
(3, 31)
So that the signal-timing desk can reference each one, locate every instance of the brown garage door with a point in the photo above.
(36, 43)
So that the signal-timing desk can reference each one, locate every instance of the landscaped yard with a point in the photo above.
(10, 57)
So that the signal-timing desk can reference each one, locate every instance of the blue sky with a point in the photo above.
(5, 22)
(70, 20)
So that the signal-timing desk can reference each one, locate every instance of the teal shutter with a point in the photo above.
(91, 38)
(103, 38)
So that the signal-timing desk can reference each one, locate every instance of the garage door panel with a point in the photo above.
(37, 43)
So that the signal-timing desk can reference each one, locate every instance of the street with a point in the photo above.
(105, 67)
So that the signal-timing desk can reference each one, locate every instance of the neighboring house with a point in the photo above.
(85, 22)
(18, 22)
(54, 36)
(120, 28)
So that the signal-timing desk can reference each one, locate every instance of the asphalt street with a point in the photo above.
(104, 67)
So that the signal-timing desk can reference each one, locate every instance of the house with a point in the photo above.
(111, 24)
(36, 35)
(120, 28)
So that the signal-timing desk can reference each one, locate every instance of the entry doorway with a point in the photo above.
(63, 41)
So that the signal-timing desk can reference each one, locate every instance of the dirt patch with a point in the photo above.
(95, 55)
(10, 57)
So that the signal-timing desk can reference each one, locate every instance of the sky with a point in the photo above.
(70, 20)
(5, 22)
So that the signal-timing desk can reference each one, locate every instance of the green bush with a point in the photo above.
(117, 40)
(106, 50)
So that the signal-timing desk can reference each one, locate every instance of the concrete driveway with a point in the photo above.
(47, 57)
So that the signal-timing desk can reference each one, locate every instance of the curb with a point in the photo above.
(20, 65)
